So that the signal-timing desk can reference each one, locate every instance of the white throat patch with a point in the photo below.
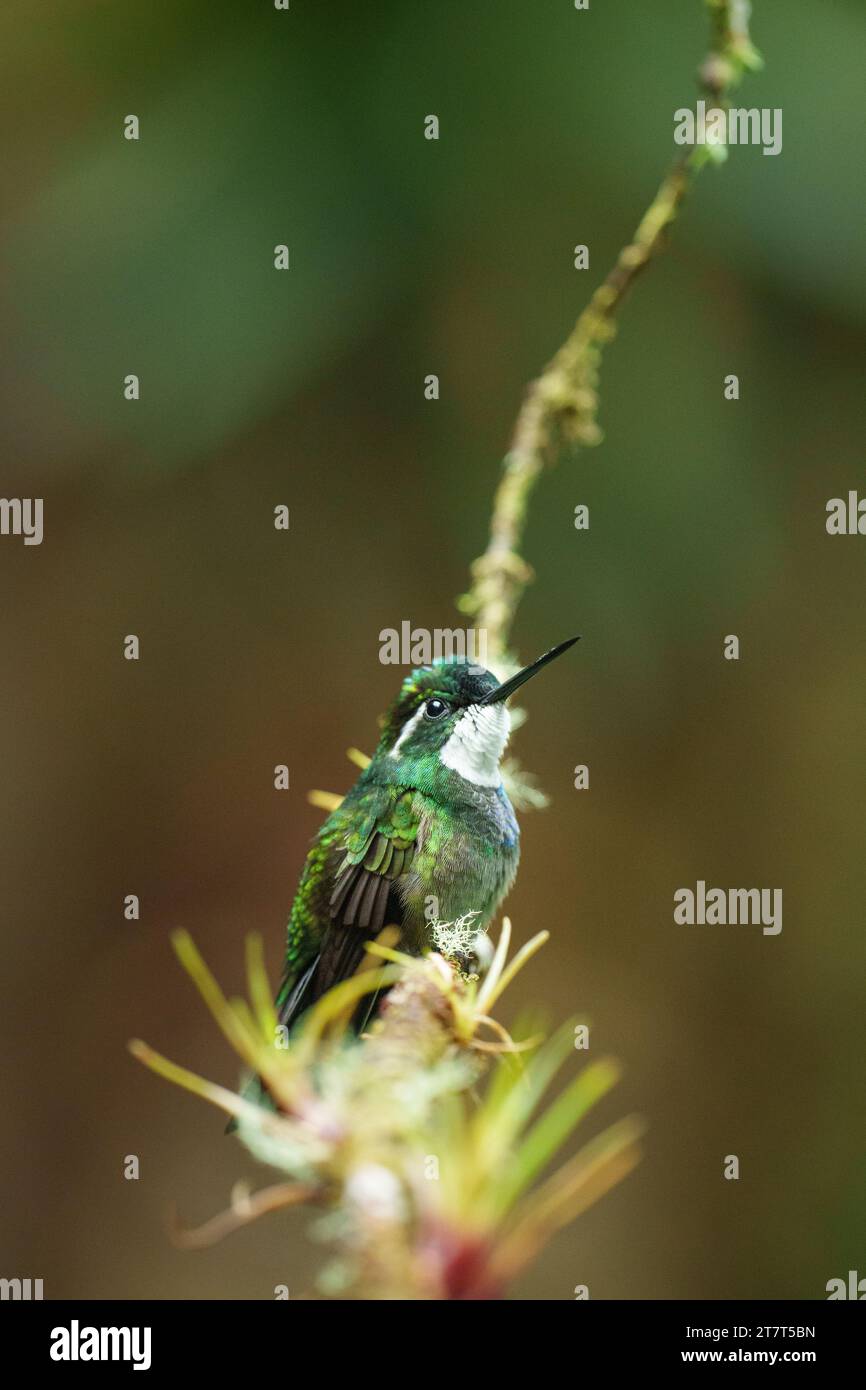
(477, 744)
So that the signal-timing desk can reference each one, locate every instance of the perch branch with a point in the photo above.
(561, 406)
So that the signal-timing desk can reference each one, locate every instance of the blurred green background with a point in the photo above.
(306, 388)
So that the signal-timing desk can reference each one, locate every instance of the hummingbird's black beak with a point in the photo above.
(513, 683)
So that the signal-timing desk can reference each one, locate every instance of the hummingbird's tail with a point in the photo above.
(294, 1003)
(293, 998)
(343, 950)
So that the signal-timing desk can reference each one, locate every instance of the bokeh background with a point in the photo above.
(306, 388)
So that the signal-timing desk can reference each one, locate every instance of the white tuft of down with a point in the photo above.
(477, 744)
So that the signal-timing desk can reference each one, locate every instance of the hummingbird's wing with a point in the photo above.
(379, 851)
(361, 852)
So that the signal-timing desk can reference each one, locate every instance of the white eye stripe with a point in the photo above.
(407, 731)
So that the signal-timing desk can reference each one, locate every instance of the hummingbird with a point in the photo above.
(428, 824)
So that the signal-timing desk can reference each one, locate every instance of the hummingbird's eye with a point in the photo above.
(436, 708)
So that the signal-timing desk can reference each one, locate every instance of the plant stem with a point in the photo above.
(561, 406)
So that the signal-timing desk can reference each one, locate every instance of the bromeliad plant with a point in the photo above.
(424, 1138)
